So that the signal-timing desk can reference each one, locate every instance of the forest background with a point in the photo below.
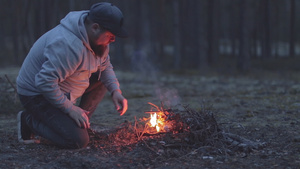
(224, 35)
(240, 58)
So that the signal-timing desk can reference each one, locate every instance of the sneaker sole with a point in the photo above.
(20, 139)
(19, 127)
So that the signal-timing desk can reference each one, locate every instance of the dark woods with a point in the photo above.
(168, 34)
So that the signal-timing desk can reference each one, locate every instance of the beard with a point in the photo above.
(99, 50)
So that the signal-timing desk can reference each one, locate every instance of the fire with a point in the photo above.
(158, 119)
(155, 121)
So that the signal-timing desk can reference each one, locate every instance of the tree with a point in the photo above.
(212, 39)
(177, 38)
(200, 34)
(292, 28)
(266, 38)
(243, 59)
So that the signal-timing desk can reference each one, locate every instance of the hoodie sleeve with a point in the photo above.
(61, 61)
(108, 76)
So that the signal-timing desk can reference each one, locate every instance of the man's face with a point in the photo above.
(104, 38)
(99, 38)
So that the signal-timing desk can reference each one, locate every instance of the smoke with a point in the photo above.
(150, 73)
(169, 97)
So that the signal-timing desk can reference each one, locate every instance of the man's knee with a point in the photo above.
(78, 142)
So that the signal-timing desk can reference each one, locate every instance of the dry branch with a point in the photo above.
(241, 143)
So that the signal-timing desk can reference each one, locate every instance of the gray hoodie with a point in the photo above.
(61, 62)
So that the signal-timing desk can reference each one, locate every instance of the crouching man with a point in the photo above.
(69, 62)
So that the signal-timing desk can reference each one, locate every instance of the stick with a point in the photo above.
(155, 134)
(149, 147)
(12, 85)
(157, 108)
(151, 111)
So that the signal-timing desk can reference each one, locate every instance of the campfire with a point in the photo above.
(168, 130)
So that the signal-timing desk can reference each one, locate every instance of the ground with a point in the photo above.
(262, 106)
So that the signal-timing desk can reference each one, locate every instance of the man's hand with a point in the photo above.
(120, 102)
(80, 117)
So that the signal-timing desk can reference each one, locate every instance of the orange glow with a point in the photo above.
(157, 119)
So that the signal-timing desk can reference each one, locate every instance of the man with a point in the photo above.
(70, 61)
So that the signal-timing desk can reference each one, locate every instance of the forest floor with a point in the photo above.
(262, 107)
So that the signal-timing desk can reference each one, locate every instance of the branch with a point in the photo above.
(12, 85)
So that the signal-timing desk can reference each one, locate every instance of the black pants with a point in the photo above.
(51, 123)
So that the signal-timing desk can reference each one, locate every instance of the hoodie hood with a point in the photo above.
(74, 22)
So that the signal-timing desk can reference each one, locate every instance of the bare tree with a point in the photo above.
(292, 28)
(201, 35)
(243, 59)
(177, 45)
(266, 39)
(18, 24)
(210, 28)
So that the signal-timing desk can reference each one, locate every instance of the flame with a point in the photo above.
(161, 120)
(153, 120)
(157, 118)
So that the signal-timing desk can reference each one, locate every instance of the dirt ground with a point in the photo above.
(262, 107)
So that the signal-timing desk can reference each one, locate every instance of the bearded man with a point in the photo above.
(68, 63)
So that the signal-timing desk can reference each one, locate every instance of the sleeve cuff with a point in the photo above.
(116, 90)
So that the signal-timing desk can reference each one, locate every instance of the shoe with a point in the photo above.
(24, 132)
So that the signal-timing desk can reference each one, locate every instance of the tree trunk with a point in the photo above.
(292, 28)
(243, 59)
(201, 36)
(210, 31)
(177, 45)
(266, 41)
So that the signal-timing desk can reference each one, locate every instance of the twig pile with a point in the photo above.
(191, 132)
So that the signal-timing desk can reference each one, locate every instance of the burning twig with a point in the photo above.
(137, 132)
(150, 112)
(157, 108)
